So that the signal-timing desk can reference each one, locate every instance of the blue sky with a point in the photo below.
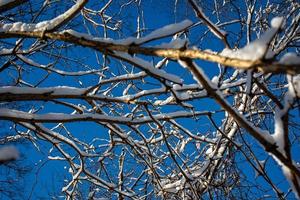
(47, 177)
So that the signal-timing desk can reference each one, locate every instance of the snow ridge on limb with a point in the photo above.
(48, 25)
(165, 31)
(162, 32)
(16, 115)
(259, 48)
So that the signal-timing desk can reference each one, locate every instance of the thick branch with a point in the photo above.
(108, 47)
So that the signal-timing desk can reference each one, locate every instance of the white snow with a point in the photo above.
(11, 114)
(173, 187)
(276, 22)
(61, 72)
(5, 51)
(215, 80)
(50, 24)
(8, 153)
(59, 90)
(290, 59)
(287, 173)
(294, 86)
(209, 152)
(41, 26)
(183, 144)
(258, 48)
(278, 134)
(158, 33)
(164, 102)
(183, 96)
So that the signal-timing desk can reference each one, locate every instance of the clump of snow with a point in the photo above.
(176, 44)
(158, 33)
(215, 80)
(164, 102)
(8, 153)
(44, 25)
(278, 135)
(290, 59)
(209, 51)
(210, 152)
(258, 48)
(5, 51)
(277, 22)
(287, 173)
(173, 186)
(177, 86)
(230, 53)
(294, 86)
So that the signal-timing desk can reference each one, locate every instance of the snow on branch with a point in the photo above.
(165, 31)
(258, 49)
(15, 115)
(48, 25)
